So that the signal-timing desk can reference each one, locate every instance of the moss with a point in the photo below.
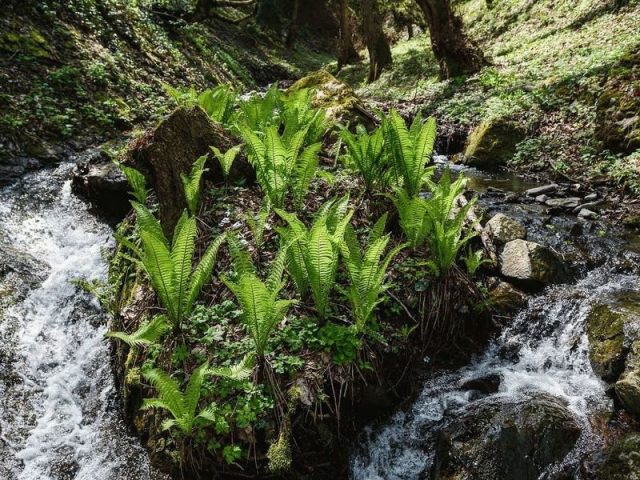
(493, 143)
(605, 330)
(623, 460)
(31, 43)
(132, 377)
(279, 454)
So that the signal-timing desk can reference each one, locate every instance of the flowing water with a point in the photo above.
(544, 351)
(59, 416)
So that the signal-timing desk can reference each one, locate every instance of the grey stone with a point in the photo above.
(534, 192)
(529, 263)
(503, 229)
(569, 202)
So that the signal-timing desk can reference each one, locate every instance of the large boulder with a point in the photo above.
(506, 298)
(628, 386)
(608, 344)
(529, 264)
(622, 461)
(493, 143)
(336, 98)
(503, 229)
(104, 186)
(506, 440)
(170, 149)
(618, 107)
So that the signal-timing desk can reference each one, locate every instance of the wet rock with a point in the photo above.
(529, 264)
(506, 298)
(492, 143)
(591, 197)
(587, 214)
(104, 186)
(605, 330)
(622, 461)
(338, 99)
(627, 388)
(542, 198)
(631, 220)
(486, 384)
(565, 203)
(544, 189)
(170, 149)
(587, 206)
(510, 440)
(503, 229)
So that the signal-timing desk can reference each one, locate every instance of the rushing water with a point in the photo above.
(59, 417)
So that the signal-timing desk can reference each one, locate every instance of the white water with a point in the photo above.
(552, 357)
(58, 414)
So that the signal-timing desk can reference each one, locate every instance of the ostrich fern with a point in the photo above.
(191, 184)
(410, 150)
(366, 155)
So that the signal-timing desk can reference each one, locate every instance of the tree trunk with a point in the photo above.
(377, 44)
(410, 30)
(347, 52)
(292, 30)
(455, 53)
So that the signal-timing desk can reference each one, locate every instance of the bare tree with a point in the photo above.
(455, 53)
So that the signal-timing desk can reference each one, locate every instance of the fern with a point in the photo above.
(444, 223)
(312, 254)
(262, 309)
(227, 158)
(191, 184)
(366, 156)
(259, 112)
(137, 182)
(281, 166)
(412, 211)
(257, 224)
(217, 102)
(147, 334)
(367, 271)
(410, 150)
(183, 405)
(473, 261)
(169, 265)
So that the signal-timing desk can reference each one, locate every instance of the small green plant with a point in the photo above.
(444, 223)
(262, 309)
(147, 334)
(473, 260)
(342, 342)
(298, 114)
(281, 166)
(227, 158)
(218, 102)
(366, 156)
(137, 182)
(191, 184)
(410, 150)
(257, 223)
(411, 211)
(367, 271)
(312, 258)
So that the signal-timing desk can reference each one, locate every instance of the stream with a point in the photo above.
(59, 415)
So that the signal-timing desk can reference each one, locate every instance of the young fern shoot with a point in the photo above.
(365, 154)
(191, 184)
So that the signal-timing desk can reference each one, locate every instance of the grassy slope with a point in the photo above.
(88, 69)
(550, 61)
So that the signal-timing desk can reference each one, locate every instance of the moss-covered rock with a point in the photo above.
(338, 99)
(504, 229)
(605, 330)
(492, 143)
(628, 386)
(618, 107)
(623, 460)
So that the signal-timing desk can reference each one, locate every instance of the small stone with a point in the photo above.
(587, 214)
(534, 192)
(570, 202)
(504, 229)
(542, 198)
(591, 197)
(506, 298)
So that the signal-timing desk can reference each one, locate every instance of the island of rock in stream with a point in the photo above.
(59, 418)
(525, 408)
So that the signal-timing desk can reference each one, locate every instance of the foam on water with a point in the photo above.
(549, 354)
(59, 418)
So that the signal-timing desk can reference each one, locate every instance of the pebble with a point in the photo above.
(534, 192)
(591, 197)
(570, 202)
(541, 198)
(587, 214)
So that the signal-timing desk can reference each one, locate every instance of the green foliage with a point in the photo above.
(341, 342)
(410, 150)
(227, 158)
(366, 156)
(367, 272)
(258, 223)
(473, 261)
(137, 182)
(411, 211)
(191, 184)
(169, 265)
(298, 114)
(261, 308)
(445, 223)
(148, 333)
(218, 102)
(281, 163)
(312, 254)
